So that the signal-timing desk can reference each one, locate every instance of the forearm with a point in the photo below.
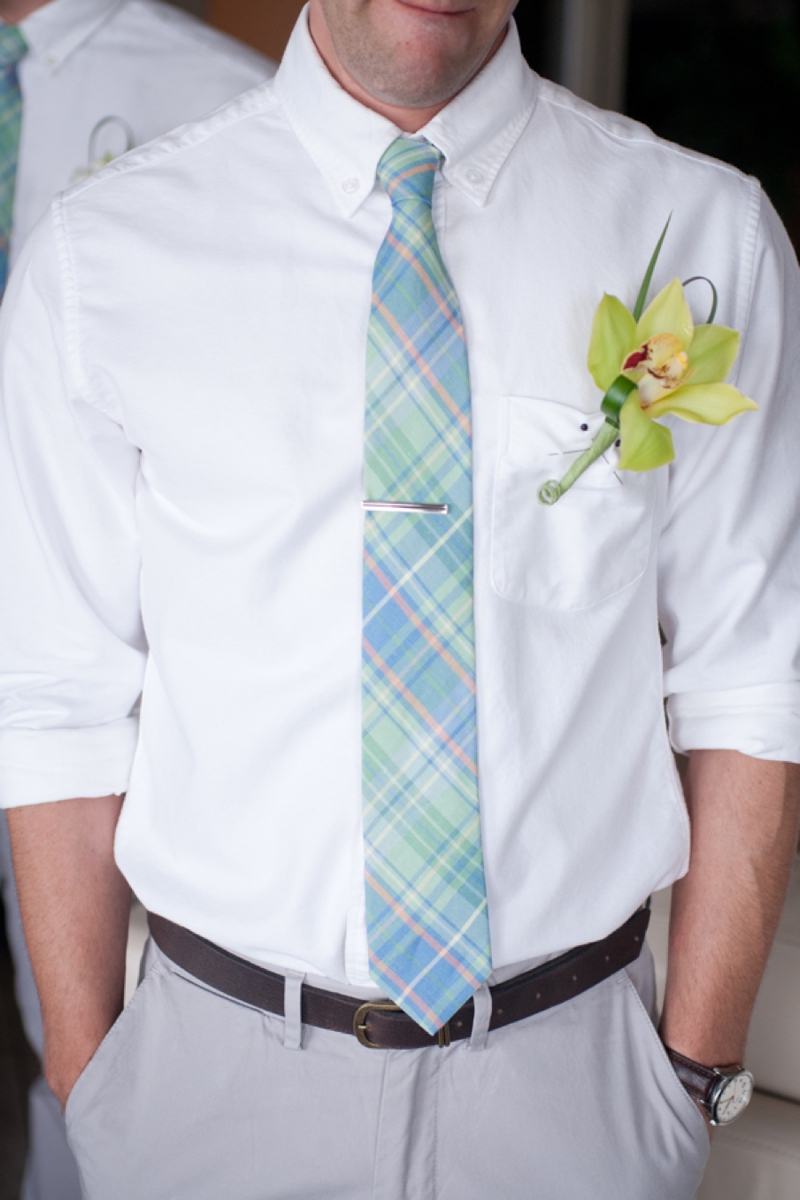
(75, 906)
(744, 816)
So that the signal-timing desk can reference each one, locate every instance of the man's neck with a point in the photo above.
(14, 11)
(410, 120)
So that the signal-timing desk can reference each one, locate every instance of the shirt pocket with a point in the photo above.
(595, 541)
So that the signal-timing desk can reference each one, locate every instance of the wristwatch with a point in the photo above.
(724, 1092)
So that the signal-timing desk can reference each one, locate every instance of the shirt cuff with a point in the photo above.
(38, 766)
(763, 721)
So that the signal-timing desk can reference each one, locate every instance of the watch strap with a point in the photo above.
(699, 1080)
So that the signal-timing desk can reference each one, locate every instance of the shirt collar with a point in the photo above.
(57, 30)
(476, 131)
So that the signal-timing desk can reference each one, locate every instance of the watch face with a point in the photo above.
(733, 1098)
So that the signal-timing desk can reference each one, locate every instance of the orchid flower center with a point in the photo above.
(658, 366)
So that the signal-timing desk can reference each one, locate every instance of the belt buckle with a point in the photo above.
(360, 1023)
(360, 1020)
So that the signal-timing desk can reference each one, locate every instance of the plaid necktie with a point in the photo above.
(427, 919)
(12, 49)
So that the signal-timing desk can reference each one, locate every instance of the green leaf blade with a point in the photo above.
(648, 277)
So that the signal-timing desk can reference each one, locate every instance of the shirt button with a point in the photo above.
(351, 185)
(474, 175)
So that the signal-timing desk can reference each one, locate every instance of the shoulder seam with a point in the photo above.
(69, 289)
(185, 137)
(749, 252)
(76, 374)
(749, 246)
(652, 140)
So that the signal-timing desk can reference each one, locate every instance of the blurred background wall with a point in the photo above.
(723, 76)
(720, 76)
(266, 24)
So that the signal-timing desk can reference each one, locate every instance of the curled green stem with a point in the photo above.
(552, 491)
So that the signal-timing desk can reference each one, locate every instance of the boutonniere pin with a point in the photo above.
(117, 138)
(651, 362)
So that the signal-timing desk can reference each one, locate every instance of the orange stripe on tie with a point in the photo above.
(428, 167)
(384, 969)
(411, 349)
(432, 287)
(420, 709)
(424, 934)
(393, 592)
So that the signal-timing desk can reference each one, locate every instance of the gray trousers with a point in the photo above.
(50, 1170)
(193, 1096)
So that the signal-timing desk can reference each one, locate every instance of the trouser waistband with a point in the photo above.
(381, 1025)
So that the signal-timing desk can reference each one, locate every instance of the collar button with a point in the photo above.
(351, 185)
(474, 175)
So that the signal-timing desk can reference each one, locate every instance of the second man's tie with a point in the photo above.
(427, 920)
(12, 49)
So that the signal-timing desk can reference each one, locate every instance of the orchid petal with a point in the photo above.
(613, 337)
(645, 445)
(669, 313)
(712, 353)
(652, 391)
(709, 403)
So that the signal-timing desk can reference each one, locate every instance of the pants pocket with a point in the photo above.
(105, 1055)
(575, 1102)
(663, 1087)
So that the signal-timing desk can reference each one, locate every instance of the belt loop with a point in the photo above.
(293, 1011)
(149, 955)
(482, 1002)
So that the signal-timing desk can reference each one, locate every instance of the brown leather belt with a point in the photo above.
(381, 1025)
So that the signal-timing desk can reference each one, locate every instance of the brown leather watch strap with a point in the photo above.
(698, 1080)
(381, 1026)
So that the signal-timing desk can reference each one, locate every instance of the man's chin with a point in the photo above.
(411, 89)
(405, 26)
(416, 70)
(407, 54)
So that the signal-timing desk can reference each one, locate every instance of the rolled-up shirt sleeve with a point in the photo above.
(729, 568)
(72, 646)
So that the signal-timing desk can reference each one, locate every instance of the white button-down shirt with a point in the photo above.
(181, 471)
(148, 66)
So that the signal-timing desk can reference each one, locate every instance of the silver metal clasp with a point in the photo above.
(388, 506)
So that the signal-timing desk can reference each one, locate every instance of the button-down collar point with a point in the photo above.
(55, 31)
(351, 186)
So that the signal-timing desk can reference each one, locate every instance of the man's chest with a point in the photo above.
(230, 338)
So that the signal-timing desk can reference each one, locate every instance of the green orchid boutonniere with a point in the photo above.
(651, 362)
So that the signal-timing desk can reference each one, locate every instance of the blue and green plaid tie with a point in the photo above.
(12, 49)
(427, 920)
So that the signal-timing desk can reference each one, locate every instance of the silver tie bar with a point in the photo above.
(388, 506)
